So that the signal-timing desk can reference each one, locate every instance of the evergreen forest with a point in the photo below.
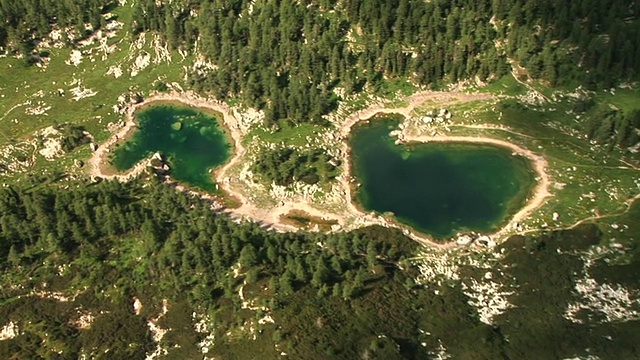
(291, 57)
(93, 249)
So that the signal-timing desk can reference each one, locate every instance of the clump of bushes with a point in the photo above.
(285, 166)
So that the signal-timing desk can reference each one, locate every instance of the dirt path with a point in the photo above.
(443, 98)
(628, 203)
(7, 114)
(490, 127)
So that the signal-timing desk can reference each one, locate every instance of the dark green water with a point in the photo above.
(437, 188)
(191, 141)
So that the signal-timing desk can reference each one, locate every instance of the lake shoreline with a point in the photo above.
(368, 187)
(98, 163)
(540, 191)
(538, 197)
(271, 216)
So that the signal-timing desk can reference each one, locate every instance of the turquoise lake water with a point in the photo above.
(192, 142)
(437, 188)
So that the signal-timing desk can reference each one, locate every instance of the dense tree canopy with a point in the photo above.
(285, 166)
(68, 224)
(288, 57)
(342, 296)
(24, 21)
(126, 239)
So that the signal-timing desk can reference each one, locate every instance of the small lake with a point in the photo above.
(192, 142)
(437, 188)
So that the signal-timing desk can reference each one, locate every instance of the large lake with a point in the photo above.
(437, 188)
(191, 140)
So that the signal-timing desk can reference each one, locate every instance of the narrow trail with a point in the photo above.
(630, 164)
(515, 66)
(627, 203)
(7, 114)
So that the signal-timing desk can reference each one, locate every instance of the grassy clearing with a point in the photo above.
(624, 99)
(507, 85)
(287, 136)
(396, 88)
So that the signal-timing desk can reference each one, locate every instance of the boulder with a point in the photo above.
(157, 156)
(464, 240)
(485, 241)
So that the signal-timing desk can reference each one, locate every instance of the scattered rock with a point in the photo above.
(157, 156)
(485, 241)
(137, 305)
(75, 59)
(116, 71)
(464, 240)
(9, 331)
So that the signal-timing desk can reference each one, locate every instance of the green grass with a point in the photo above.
(624, 99)
(290, 136)
(506, 85)
(21, 84)
(394, 87)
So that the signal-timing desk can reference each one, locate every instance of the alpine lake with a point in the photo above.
(438, 188)
(191, 140)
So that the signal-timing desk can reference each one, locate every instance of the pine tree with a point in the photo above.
(13, 257)
(248, 256)
(321, 273)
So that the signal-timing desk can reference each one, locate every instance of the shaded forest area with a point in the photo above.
(24, 22)
(612, 127)
(287, 165)
(343, 296)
